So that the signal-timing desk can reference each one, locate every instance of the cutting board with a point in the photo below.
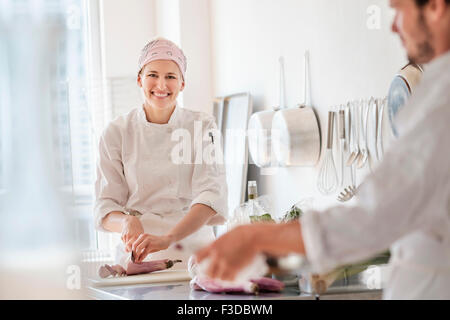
(154, 277)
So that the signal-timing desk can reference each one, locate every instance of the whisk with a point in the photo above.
(327, 181)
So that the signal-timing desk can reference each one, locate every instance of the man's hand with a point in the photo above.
(231, 252)
(147, 243)
(238, 247)
(131, 230)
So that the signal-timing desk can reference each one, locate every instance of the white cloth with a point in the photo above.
(404, 204)
(256, 269)
(140, 169)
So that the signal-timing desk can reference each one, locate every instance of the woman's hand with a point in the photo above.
(131, 230)
(147, 243)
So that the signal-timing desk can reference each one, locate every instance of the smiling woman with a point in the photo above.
(141, 192)
(162, 68)
(161, 81)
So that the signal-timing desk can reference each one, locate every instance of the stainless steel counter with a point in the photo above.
(182, 291)
(363, 286)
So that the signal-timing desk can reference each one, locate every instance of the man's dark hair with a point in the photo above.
(421, 3)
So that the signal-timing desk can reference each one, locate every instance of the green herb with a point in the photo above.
(292, 214)
(347, 271)
(262, 218)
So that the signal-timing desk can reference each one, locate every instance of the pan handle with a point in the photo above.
(281, 90)
(341, 125)
(330, 129)
(306, 91)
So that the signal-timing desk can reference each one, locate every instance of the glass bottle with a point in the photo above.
(254, 209)
(252, 190)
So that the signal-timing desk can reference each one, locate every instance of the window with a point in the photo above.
(74, 139)
(4, 101)
(2, 143)
(66, 24)
(82, 102)
(2, 135)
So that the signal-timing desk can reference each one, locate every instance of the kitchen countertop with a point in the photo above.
(363, 286)
(180, 290)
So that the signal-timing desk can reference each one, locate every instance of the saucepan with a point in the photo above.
(295, 131)
(401, 89)
(260, 127)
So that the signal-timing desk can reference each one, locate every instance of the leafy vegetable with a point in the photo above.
(262, 218)
(349, 270)
(292, 214)
(320, 283)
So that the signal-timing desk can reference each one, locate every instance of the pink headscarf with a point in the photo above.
(162, 49)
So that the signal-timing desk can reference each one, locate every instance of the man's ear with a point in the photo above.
(436, 10)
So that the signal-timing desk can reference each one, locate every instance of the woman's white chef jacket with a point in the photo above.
(139, 170)
(404, 204)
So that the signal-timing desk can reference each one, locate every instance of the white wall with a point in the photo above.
(167, 19)
(347, 61)
(196, 43)
(127, 26)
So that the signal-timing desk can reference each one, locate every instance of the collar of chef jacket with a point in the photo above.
(169, 125)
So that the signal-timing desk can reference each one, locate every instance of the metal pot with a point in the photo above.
(260, 128)
(401, 89)
(260, 137)
(295, 137)
(295, 132)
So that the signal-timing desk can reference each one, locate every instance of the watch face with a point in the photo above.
(399, 93)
